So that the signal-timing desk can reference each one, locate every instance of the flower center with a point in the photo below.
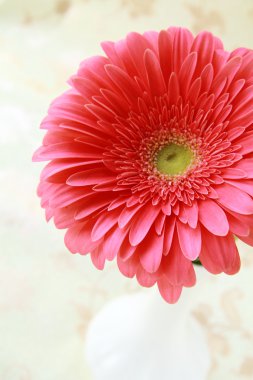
(174, 159)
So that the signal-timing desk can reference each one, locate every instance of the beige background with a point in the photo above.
(48, 296)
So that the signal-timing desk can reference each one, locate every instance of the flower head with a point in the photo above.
(151, 157)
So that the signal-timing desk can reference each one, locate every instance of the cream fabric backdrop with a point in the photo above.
(47, 295)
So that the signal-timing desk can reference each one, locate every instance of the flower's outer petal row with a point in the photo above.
(219, 254)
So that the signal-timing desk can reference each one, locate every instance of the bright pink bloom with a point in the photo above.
(151, 157)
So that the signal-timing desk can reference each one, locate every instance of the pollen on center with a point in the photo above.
(174, 159)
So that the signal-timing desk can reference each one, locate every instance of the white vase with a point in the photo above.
(141, 337)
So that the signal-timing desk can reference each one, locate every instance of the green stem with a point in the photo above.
(197, 262)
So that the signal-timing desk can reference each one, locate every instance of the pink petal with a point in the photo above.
(233, 173)
(113, 241)
(152, 37)
(128, 213)
(137, 45)
(98, 258)
(67, 196)
(194, 90)
(189, 240)
(227, 71)
(129, 267)
(236, 225)
(91, 204)
(126, 249)
(118, 102)
(168, 234)
(189, 214)
(150, 251)
(86, 87)
(244, 101)
(64, 217)
(78, 238)
(187, 70)
(247, 239)
(219, 254)
(104, 223)
(234, 199)
(154, 73)
(193, 215)
(90, 177)
(122, 80)
(146, 279)
(94, 65)
(165, 53)
(72, 236)
(160, 223)
(207, 77)
(182, 41)
(244, 185)
(177, 268)
(233, 133)
(246, 165)
(65, 150)
(213, 217)
(109, 185)
(57, 166)
(235, 88)
(246, 143)
(173, 89)
(109, 49)
(242, 120)
(166, 208)
(100, 112)
(142, 223)
(203, 44)
(121, 200)
(169, 292)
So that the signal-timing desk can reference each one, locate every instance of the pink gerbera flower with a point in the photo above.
(151, 157)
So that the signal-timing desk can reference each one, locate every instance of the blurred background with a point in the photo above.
(47, 295)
